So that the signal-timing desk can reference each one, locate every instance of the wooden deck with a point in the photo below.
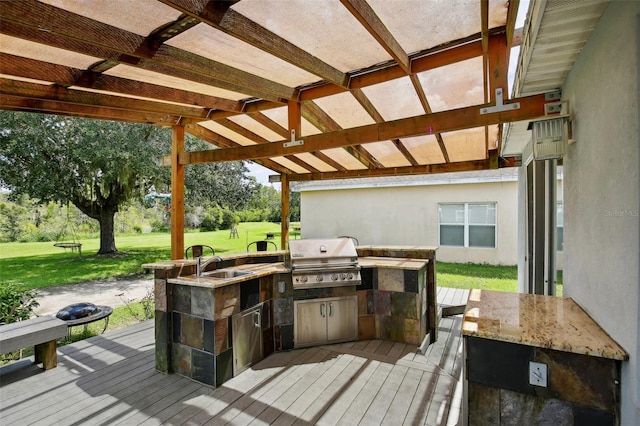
(111, 379)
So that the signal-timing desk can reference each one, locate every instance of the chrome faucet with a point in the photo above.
(200, 266)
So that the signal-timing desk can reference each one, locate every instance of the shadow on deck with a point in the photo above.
(111, 379)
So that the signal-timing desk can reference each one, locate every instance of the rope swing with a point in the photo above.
(74, 244)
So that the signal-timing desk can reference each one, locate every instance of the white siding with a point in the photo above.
(601, 191)
(409, 216)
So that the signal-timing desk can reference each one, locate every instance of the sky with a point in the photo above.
(261, 174)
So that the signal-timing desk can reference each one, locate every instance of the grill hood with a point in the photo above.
(323, 263)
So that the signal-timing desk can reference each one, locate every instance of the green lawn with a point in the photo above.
(484, 277)
(39, 265)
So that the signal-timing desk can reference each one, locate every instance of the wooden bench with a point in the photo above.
(40, 332)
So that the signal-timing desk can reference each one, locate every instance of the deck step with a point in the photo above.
(451, 310)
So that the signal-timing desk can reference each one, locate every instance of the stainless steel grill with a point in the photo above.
(324, 263)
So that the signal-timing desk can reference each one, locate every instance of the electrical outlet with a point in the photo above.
(538, 374)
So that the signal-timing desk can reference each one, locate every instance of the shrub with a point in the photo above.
(159, 226)
(192, 220)
(229, 219)
(16, 303)
(147, 303)
(212, 219)
(253, 215)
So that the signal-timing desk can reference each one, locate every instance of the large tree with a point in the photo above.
(96, 165)
(224, 184)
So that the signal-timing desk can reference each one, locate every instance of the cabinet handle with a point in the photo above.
(330, 309)
(256, 317)
(322, 310)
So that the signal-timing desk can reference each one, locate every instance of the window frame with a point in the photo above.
(466, 224)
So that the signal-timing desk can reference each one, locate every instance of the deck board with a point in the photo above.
(301, 407)
(399, 406)
(345, 398)
(111, 379)
(419, 407)
(337, 386)
(364, 398)
(387, 392)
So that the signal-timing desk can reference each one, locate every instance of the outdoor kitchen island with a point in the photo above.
(211, 328)
(532, 359)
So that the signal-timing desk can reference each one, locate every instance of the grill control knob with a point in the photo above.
(319, 278)
(334, 277)
(304, 278)
(350, 276)
(343, 276)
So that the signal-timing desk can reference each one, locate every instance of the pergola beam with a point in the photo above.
(444, 121)
(368, 18)
(221, 16)
(45, 106)
(20, 66)
(461, 166)
(26, 90)
(220, 141)
(425, 61)
(45, 24)
(512, 14)
(377, 117)
(427, 109)
(321, 120)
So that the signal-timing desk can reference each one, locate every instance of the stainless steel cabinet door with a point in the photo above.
(319, 321)
(310, 322)
(247, 339)
(342, 318)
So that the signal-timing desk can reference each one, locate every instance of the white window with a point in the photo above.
(467, 224)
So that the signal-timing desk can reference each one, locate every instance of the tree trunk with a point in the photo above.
(107, 234)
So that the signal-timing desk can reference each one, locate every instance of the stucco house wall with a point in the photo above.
(408, 215)
(601, 188)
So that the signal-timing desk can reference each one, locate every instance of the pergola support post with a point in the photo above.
(177, 193)
(295, 125)
(284, 236)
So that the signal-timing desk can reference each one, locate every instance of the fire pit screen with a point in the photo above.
(77, 311)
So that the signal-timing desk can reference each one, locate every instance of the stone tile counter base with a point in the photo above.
(195, 316)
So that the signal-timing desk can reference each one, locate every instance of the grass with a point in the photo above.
(484, 277)
(41, 265)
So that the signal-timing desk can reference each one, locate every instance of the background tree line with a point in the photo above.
(89, 176)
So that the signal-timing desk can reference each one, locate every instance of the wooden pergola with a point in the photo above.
(309, 89)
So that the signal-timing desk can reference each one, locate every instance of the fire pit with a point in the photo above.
(83, 314)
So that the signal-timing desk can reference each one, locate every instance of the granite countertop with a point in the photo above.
(171, 264)
(262, 269)
(392, 262)
(541, 321)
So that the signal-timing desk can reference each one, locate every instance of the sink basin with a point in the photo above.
(225, 273)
